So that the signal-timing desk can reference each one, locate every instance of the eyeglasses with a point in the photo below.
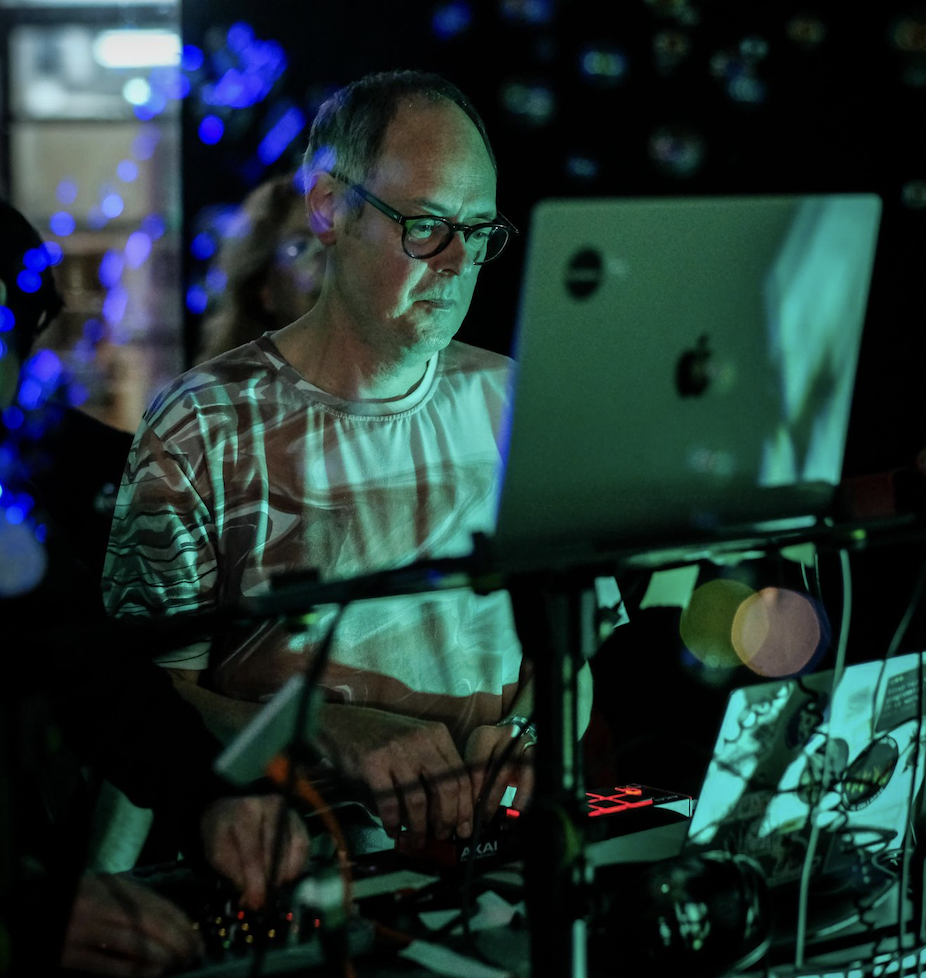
(424, 235)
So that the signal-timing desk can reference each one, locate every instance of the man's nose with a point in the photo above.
(455, 258)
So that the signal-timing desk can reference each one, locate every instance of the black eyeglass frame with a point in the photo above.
(501, 223)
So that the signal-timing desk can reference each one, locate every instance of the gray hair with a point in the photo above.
(348, 132)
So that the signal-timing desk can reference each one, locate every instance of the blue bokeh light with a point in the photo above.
(156, 104)
(114, 305)
(127, 170)
(216, 280)
(45, 366)
(202, 246)
(582, 167)
(604, 65)
(153, 225)
(55, 252)
(112, 205)
(66, 191)
(62, 223)
(281, 134)
(211, 129)
(137, 248)
(29, 281)
(145, 143)
(36, 259)
(242, 85)
(7, 319)
(239, 37)
(111, 267)
(13, 417)
(192, 58)
(196, 299)
(30, 394)
(144, 113)
(15, 515)
(451, 19)
(94, 331)
(170, 83)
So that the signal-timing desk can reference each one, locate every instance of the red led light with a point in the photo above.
(630, 796)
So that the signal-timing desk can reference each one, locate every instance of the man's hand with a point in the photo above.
(484, 750)
(119, 927)
(238, 835)
(412, 767)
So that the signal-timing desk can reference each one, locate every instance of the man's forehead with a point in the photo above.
(430, 145)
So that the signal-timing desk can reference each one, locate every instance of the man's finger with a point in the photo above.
(386, 798)
(414, 801)
(525, 780)
(252, 878)
(454, 789)
(296, 851)
(443, 798)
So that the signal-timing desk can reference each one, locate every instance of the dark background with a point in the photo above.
(642, 97)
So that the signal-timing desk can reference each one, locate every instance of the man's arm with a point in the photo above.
(225, 717)
(411, 766)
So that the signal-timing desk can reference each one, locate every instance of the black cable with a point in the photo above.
(478, 824)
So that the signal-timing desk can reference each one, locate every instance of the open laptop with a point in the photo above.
(685, 368)
(807, 779)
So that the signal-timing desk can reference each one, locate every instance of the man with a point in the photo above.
(81, 697)
(359, 437)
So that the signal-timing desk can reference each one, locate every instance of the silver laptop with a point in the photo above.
(805, 778)
(685, 367)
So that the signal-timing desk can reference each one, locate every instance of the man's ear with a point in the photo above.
(321, 204)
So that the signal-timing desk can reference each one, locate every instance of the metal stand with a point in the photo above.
(555, 620)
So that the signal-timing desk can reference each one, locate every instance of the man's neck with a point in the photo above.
(339, 363)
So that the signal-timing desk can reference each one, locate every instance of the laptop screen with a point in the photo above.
(685, 365)
(801, 773)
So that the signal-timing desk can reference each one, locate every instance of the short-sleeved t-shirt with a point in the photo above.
(243, 471)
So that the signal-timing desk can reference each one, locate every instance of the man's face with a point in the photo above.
(433, 162)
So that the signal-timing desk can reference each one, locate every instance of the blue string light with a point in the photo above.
(451, 19)
(196, 299)
(203, 246)
(192, 58)
(29, 281)
(211, 129)
(62, 223)
(112, 205)
(137, 249)
(281, 134)
(127, 170)
(66, 191)
(36, 259)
